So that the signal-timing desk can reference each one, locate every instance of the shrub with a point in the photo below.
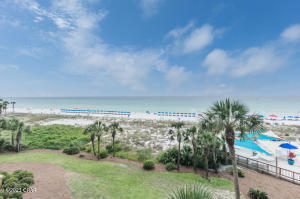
(168, 156)
(8, 147)
(22, 186)
(144, 154)
(10, 185)
(20, 174)
(17, 195)
(118, 147)
(257, 194)
(27, 180)
(240, 173)
(103, 154)
(170, 166)
(287, 134)
(4, 173)
(71, 150)
(191, 191)
(149, 165)
(81, 155)
(4, 194)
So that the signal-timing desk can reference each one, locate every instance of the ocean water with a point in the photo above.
(257, 105)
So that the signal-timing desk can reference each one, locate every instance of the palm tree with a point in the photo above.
(205, 141)
(13, 105)
(5, 103)
(99, 127)
(191, 133)
(214, 126)
(233, 116)
(90, 130)
(1, 107)
(114, 128)
(176, 132)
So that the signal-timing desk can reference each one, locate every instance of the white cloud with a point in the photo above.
(11, 22)
(89, 55)
(150, 7)
(292, 33)
(250, 61)
(8, 67)
(176, 75)
(190, 39)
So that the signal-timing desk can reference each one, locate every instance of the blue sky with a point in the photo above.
(149, 47)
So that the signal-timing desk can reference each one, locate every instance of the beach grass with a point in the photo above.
(93, 179)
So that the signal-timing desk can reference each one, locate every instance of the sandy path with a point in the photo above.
(50, 181)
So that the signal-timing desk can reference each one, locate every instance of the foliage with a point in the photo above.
(5, 146)
(130, 155)
(167, 156)
(103, 154)
(257, 194)
(55, 137)
(81, 155)
(196, 191)
(103, 179)
(118, 147)
(19, 179)
(170, 166)
(149, 165)
(71, 150)
(240, 173)
(144, 154)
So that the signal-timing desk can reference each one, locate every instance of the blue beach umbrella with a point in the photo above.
(288, 146)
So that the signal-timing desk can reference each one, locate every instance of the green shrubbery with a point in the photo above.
(103, 154)
(20, 179)
(144, 154)
(56, 137)
(71, 150)
(5, 146)
(191, 191)
(240, 173)
(257, 194)
(170, 166)
(149, 165)
(118, 147)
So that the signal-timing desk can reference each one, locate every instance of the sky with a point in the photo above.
(56, 48)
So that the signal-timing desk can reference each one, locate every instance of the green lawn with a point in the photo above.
(92, 179)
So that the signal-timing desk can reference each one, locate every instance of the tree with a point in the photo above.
(233, 116)
(176, 132)
(99, 128)
(114, 128)
(13, 105)
(205, 142)
(191, 134)
(91, 131)
(1, 107)
(4, 104)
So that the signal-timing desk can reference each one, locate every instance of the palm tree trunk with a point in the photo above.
(229, 135)
(206, 162)
(225, 154)
(12, 139)
(178, 157)
(195, 156)
(93, 145)
(113, 146)
(98, 147)
(18, 139)
(214, 158)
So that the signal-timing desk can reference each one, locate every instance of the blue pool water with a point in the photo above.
(250, 144)
(259, 137)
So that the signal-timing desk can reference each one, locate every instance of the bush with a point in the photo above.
(10, 185)
(170, 166)
(20, 174)
(144, 154)
(17, 195)
(240, 173)
(149, 165)
(71, 150)
(4, 173)
(22, 186)
(81, 155)
(191, 191)
(103, 154)
(27, 180)
(8, 147)
(118, 147)
(257, 194)
(168, 156)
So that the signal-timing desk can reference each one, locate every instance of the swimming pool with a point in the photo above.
(250, 144)
(259, 137)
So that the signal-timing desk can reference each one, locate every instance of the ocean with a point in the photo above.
(257, 105)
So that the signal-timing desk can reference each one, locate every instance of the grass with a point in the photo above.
(55, 137)
(94, 179)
